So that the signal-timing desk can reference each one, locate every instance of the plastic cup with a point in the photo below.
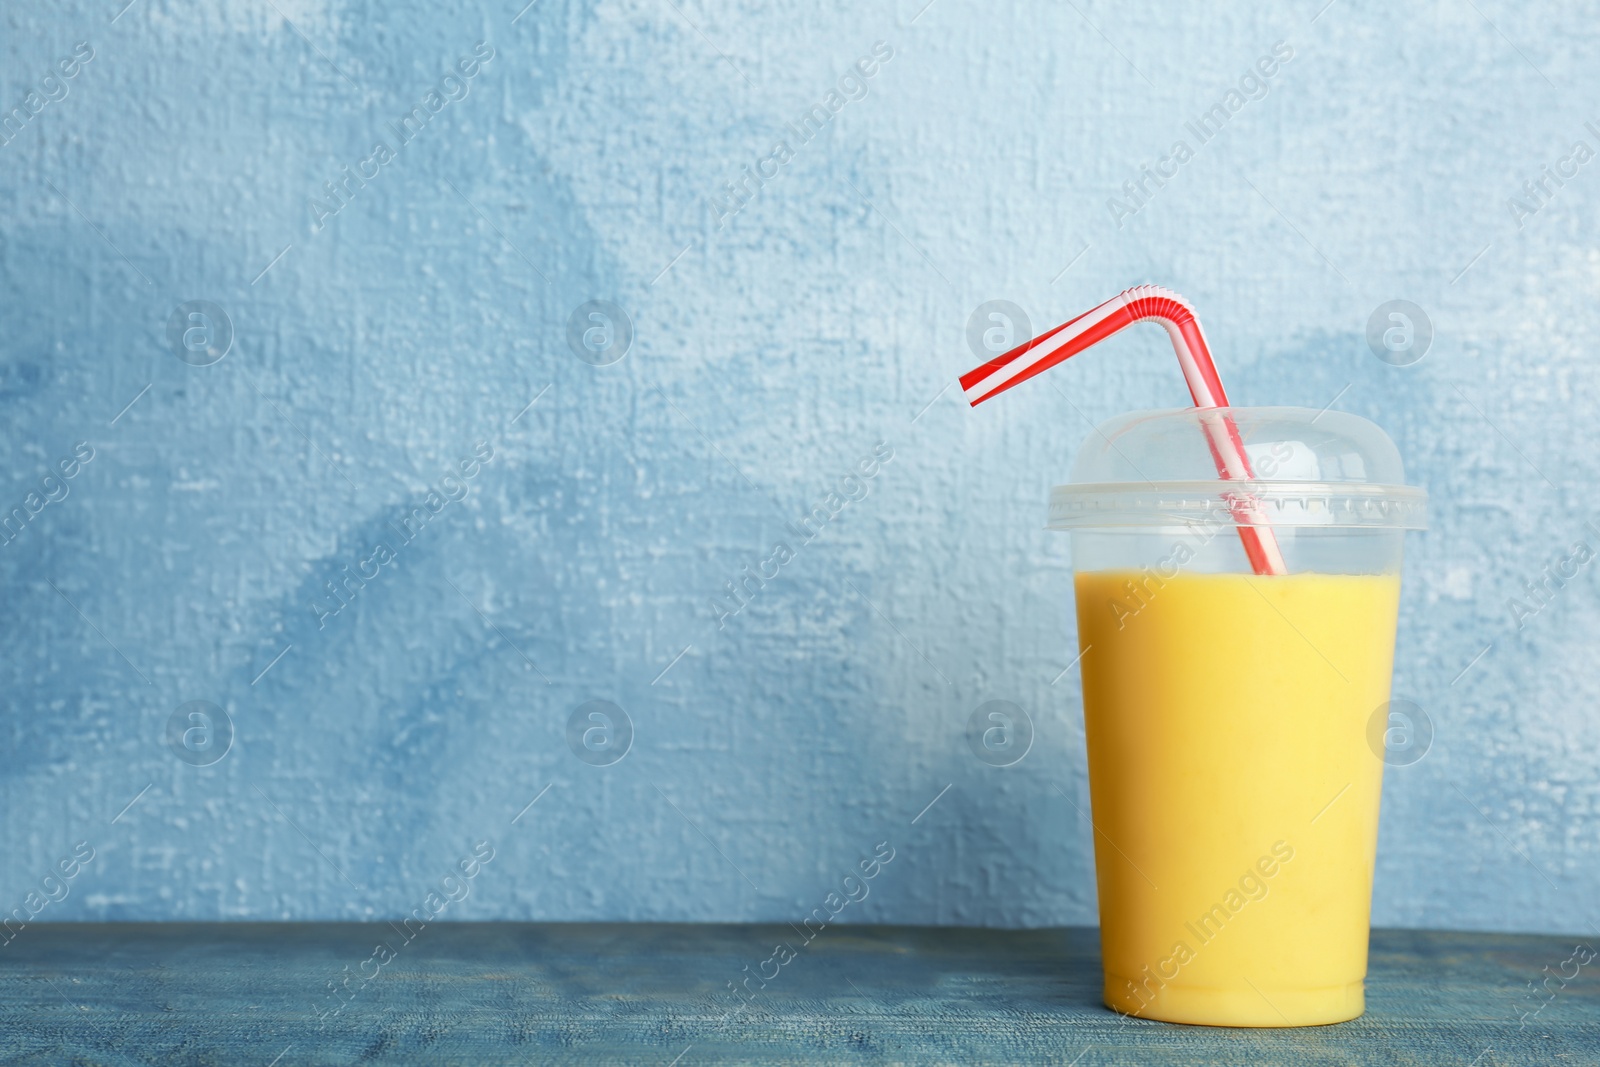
(1234, 791)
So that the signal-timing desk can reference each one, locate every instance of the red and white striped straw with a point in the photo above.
(1141, 303)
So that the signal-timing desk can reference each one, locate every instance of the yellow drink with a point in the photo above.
(1235, 797)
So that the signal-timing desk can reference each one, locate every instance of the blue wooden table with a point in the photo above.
(663, 994)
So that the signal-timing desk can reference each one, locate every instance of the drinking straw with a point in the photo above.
(1141, 303)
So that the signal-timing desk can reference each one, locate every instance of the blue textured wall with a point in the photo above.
(384, 336)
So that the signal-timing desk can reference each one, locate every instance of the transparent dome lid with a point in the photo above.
(1309, 468)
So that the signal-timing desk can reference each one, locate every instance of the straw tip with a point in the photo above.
(978, 393)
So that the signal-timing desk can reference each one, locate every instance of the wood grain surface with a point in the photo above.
(499, 993)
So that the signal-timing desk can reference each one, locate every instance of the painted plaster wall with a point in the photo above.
(775, 344)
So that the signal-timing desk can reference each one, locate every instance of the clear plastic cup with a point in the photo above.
(1234, 790)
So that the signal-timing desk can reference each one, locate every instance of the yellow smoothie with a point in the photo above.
(1235, 796)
